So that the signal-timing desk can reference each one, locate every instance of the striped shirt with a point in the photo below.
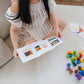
(40, 26)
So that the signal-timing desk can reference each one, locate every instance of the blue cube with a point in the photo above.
(70, 55)
(78, 62)
(80, 71)
(74, 64)
(68, 64)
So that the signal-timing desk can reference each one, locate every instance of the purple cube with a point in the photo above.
(76, 74)
(68, 68)
(79, 77)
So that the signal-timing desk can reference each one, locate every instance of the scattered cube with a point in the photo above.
(80, 52)
(70, 71)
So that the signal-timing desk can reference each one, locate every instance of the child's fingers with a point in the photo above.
(60, 35)
(17, 55)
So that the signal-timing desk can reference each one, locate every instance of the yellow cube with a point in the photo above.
(72, 52)
(80, 52)
(82, 68)
(75, 58)
(81, 60)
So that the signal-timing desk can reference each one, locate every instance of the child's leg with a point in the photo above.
(62, 25)
(30, 41)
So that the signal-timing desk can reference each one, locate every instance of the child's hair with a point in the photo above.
(24, 10)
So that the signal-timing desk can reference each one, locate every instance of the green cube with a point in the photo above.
(75, 55)
(74, 51)
(67, 56)
(72, 59)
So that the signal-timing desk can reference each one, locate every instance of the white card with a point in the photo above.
(81, 34)
(77, 29)
(74, 27)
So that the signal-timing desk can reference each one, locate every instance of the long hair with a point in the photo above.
(24, 10)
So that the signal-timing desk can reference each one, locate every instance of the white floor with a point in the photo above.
(51, 67)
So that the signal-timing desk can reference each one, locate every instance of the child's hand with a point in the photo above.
(58, 32)
(15, 54)
(54, 32)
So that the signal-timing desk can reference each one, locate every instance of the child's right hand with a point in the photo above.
(15, 54)
(58, 32)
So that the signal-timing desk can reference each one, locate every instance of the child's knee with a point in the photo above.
(62, 24)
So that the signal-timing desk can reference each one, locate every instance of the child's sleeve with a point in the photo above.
(52, 5)
(10, 17)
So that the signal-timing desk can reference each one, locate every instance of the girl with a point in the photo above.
(31, 21)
